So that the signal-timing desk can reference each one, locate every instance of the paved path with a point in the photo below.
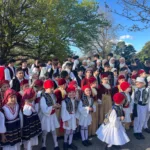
(98, 145)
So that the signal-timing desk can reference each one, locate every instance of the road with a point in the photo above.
(134, 144)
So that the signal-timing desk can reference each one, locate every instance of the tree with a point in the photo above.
(145, 52)
(135, 10)
(102, 41)
(39, 28)
(126, 51)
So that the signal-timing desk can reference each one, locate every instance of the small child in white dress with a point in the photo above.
(112, 131)
(86, 108)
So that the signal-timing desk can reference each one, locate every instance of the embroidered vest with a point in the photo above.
(69, 105)
(48, 98)
(119, 110)
(126, 102)
(144, 95)
(86, 102)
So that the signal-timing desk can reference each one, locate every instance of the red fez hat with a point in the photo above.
(61, 81)
(48, 84)
(118, 98)
(71, 89)
(86, 87)
(104, 76)
(73, 82)
(134, 76)
(124, 86)
(121, 77)
(23, 82)
(28, 94)
(2, 82)
(140, 71)
(38, 83)
(92, 80)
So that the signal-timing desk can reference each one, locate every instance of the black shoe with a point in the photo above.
(137, 136)
(88, 142)
(43, 148)
(116, 147)
(84, 143)
(65, 146)
(147, 130)
(108, 148)
(72, 146)
(56, 148)
(141, 136)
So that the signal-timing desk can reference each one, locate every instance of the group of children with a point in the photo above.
(28, 110)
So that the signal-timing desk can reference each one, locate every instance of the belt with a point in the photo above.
(141, 104)
(53, 111)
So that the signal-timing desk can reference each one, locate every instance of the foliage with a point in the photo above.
(127, 51)
(145, 52)
(39, 28)
(135, 10)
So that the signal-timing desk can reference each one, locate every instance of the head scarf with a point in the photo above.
(8, 93)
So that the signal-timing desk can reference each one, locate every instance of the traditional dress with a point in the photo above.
(104, 94)
(85, 116)
(113, 132)
(140, 98)
(93, 127)
(60, 96)
(31, 126)
(12, 123)
(49, 119)
(69, 113)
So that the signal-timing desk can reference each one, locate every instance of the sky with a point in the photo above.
(137, 39)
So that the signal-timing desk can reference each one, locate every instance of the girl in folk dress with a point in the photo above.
(69, 117)
(12, 121)
(4, 85)
(2, 128)
(49, 119)
(86, 108)
(112, 131)
(104, 95)
(31, 122)
(93, 127)
(126, 89)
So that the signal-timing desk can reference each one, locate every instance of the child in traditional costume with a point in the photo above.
(112, 131)
(126, 89)
(69, 117)
(86, 108)
(49, 119)
(140, 97)
(93, 127)
(12, 121)
(104, 96)
(4, 85)
(31, 123)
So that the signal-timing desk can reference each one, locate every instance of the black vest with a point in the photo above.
(11, 72)
(69, 105)
(119, 110)
(16, 84)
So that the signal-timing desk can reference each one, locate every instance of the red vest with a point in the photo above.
(2, 73)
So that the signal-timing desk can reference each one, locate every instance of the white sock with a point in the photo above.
(70, 137)
(67, 132)
(86, 133)
(109, 145)
(44, 135)
(82, 133)
(55, 138)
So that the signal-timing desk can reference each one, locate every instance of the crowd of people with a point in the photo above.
(74, 100)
